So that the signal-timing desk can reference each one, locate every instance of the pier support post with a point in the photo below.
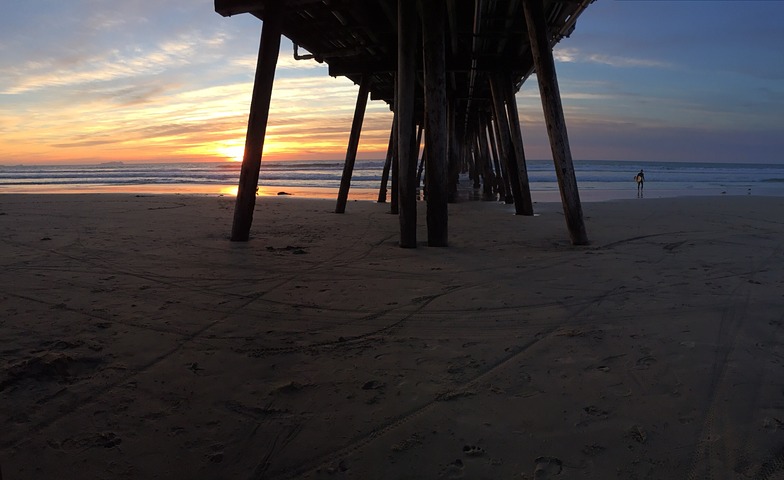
(257, 126)
(517, 144)
(382, 190)
(474, 159)
(353, 143)
(554, 119)
(395, 192)
(505, 140)
(489, 179)
(508, 197)
(436, 135)
(407, 141)
(500, 179)
(453, 156)
(422, 160)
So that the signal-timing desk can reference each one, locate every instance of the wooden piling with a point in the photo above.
(269, 48)
(476, 160)
(436, 135)
(508, 197)
(453, 158)
(407, 141)
(394, 194)
(500, 178)
(420, 131)
(382, 189)
(353, 143)
(517, 142)
(489, 179)
(504, 139)
(554, 119)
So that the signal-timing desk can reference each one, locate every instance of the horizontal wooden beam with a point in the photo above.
(512, 65)
(234, 7)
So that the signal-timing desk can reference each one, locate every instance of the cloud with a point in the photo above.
(574, 55)
(85, 143)
(286, 63)
(109, 65)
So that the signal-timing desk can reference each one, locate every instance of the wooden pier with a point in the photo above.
(448, 67)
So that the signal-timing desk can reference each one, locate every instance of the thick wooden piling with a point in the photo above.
(436, 135)
(517, 142)
(504, 139)
(257, 127)
(407, 141)
(353, 143)
(554, 119)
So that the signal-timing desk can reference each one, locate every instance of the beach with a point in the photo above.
(138, 342)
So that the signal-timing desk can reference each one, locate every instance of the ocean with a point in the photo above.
(597, 180)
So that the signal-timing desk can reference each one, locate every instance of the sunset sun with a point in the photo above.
(232, 153)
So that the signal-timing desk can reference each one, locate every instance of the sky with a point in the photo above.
(85, 81)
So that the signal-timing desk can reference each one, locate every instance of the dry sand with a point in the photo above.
(139, 343)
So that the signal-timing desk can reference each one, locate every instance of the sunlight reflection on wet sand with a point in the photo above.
(194, 189)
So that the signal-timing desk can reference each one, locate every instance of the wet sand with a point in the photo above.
(138, 342)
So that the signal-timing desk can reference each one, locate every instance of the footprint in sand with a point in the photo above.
(455, 469)
(638, 434)
(645, 362)
(215, 455)
(595, 411)
(547, 467)
(473, 451)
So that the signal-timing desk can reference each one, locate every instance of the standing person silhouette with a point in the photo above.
(640, 178)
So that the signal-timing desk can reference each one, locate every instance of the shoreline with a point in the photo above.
(371, 194)
(138, 341)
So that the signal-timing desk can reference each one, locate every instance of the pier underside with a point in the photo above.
(449, 67)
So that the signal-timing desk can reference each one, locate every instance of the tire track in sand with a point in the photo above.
(310, 467)
(721, 452)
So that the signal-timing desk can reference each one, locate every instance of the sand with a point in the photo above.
(139, 343)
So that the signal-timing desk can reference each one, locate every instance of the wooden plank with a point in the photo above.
(436, 135)
(353, 144)
(554, 119)
(407, 138)
(269, 48)
(234, 7)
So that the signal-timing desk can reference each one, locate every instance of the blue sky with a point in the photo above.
(155, 81)
(676, 80)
